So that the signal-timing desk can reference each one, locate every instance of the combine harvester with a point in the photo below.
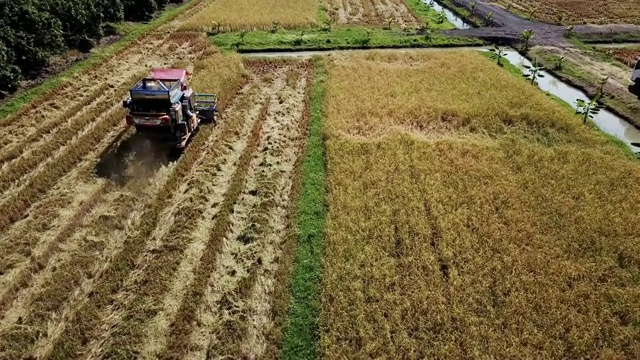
(163, 108)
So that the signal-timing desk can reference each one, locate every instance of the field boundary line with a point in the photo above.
(301, 329)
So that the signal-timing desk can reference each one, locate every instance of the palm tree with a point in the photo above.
(498, 54)
(243, 33)
(389, 21)
(527, 35)
(532, 12)
(489, 19)
(588, 109)
(472, 6)
(561, 18)
(441, 17)
(431, 3)
(534, 72)
(509, 6)
(274, 26)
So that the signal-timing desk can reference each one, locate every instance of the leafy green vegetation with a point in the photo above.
(338, 38)
(463, 12)
(609, 37)
(301, 331)
(429, 15)
(25, 97)
(33, 30)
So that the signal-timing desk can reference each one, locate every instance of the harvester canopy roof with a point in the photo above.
(169, 74)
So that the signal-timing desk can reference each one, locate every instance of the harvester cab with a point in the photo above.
(163, 107)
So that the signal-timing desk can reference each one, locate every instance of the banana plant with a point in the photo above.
(601, 82)
(527, 35)
(532, 13)
(472, 6)
(431, 3)
(568, 31)
(559, 62)
(534, 72)
(489, 19)
(509, 6)
(243, 33)
(389, 21)
(274, 26)
(441, 17)
(588, 109)
(327, 25)
(427, 35)
(561, 17)
(498, 54)
(215, 27)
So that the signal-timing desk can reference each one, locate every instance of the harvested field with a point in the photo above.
(235, 15)
(108, 245)
(491, 225)
(579, 12)
(628, 56)
(370, 12)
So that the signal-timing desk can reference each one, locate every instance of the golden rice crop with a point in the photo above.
(437, 94)
(454, 245)
(233, 15)
(219, 74)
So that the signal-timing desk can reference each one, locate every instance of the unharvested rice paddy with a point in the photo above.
(370, 12)
(578, 12)
(464, 222)
(110, 247)
(235, 15)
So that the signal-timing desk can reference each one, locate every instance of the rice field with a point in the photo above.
(236, 15)
(370, 12)
(464, 223)
(578, 12)
(110, 247)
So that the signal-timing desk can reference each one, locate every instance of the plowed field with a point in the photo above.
(111, 246)
(578, 12)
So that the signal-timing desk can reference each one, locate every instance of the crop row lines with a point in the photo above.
(112, 279)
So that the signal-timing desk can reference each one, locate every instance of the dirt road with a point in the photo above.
(507, 27)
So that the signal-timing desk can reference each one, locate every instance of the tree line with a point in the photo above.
(33, 30)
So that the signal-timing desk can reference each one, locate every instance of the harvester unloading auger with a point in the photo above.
(165, 109)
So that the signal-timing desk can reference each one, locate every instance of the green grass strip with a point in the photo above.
(338, 38)
(24, 97)
(301, 330)
(429, 15)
